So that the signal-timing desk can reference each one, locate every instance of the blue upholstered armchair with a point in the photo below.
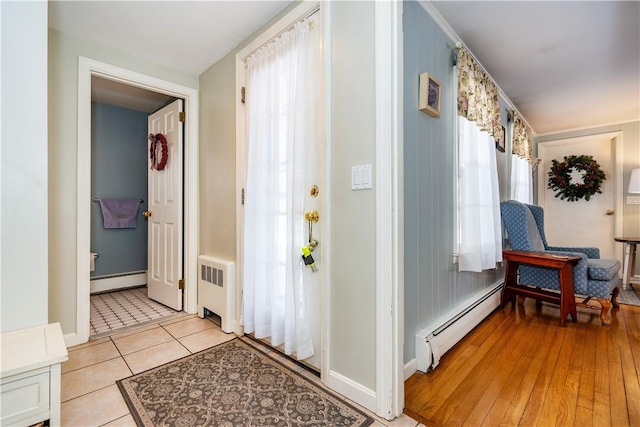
(592, 277)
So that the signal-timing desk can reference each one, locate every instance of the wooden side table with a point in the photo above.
(629, 262)
(564, 264)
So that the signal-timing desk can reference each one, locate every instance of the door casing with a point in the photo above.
(86, 69)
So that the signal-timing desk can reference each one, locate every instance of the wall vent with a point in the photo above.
(212, 275)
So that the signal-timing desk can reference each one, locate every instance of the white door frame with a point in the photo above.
(389, 210)
(618, 193)
(86, 69)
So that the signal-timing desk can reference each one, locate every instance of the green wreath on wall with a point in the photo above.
(560, 178)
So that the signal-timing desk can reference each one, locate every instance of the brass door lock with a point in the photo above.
(312, 216)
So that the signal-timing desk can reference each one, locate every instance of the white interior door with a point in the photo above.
(165, 250)
(580, 223)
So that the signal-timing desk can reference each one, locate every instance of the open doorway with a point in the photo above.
(89, 69)
(119, 286)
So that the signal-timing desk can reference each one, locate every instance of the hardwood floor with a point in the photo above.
(522, 369)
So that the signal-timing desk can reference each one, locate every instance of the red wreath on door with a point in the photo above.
(158, 151)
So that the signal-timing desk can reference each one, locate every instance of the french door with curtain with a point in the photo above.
(281, 125)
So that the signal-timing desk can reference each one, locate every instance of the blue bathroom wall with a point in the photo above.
(118, 170)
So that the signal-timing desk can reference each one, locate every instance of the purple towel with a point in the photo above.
(119, 213)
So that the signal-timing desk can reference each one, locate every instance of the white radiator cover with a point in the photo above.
(217, 289)
(434, 341)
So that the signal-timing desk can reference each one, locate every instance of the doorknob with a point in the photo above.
(147, 214)
(610, 212)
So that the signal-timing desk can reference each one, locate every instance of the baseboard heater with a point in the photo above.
(434, 341)
(112, 282)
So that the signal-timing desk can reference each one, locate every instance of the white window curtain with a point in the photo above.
(521, 179)
(281, 107)
(479, 199)
(522, 161)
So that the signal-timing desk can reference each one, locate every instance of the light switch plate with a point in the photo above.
(633, 200)
(361, 177)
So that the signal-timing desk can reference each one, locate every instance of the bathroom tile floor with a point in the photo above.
(90, 396)
(115, 310)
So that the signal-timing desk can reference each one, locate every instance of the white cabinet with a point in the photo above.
(30, 381)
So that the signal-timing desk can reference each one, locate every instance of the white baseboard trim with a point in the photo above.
(410, 368)
(350, 389)
(70, 339)
(118, 282)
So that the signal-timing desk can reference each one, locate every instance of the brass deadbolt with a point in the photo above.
(312, 216)
(314, 191)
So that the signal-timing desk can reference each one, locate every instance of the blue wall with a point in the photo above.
(118, 170)
(433, 287)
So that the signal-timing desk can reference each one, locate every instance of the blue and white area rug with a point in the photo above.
(630, 296)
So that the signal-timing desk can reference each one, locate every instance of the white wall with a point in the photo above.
(218, 159)
(63, 143)
(24, 258)
(352, 335)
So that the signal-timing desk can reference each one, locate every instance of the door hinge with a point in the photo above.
(242, 196)
(181, 284)
(242, 94)
(181, 116)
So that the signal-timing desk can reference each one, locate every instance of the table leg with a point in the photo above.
(510, 278)
(567, 297)
(628, 264)
(632, 263)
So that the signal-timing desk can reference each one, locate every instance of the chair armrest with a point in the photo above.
(593, 253)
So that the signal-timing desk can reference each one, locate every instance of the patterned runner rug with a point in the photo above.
(630, 296)
(233, 384)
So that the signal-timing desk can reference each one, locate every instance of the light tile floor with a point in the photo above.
(119, 309)
(90, 396)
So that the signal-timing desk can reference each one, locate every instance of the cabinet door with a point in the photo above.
(25, 398)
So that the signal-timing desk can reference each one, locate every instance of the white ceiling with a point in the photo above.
(131, 97)
(189, 36)
(564, 65)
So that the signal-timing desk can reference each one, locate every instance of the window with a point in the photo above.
(522, 162)
(479, 124)
(521, 188)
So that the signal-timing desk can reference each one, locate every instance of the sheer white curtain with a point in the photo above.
(521, 181)
(522, 161)
(480, 227)
(280, 112)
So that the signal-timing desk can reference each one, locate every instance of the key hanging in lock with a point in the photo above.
(312, 217)
(312, 241)
(308, 259)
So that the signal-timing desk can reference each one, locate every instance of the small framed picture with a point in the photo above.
(500, 145)
(429, 96)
